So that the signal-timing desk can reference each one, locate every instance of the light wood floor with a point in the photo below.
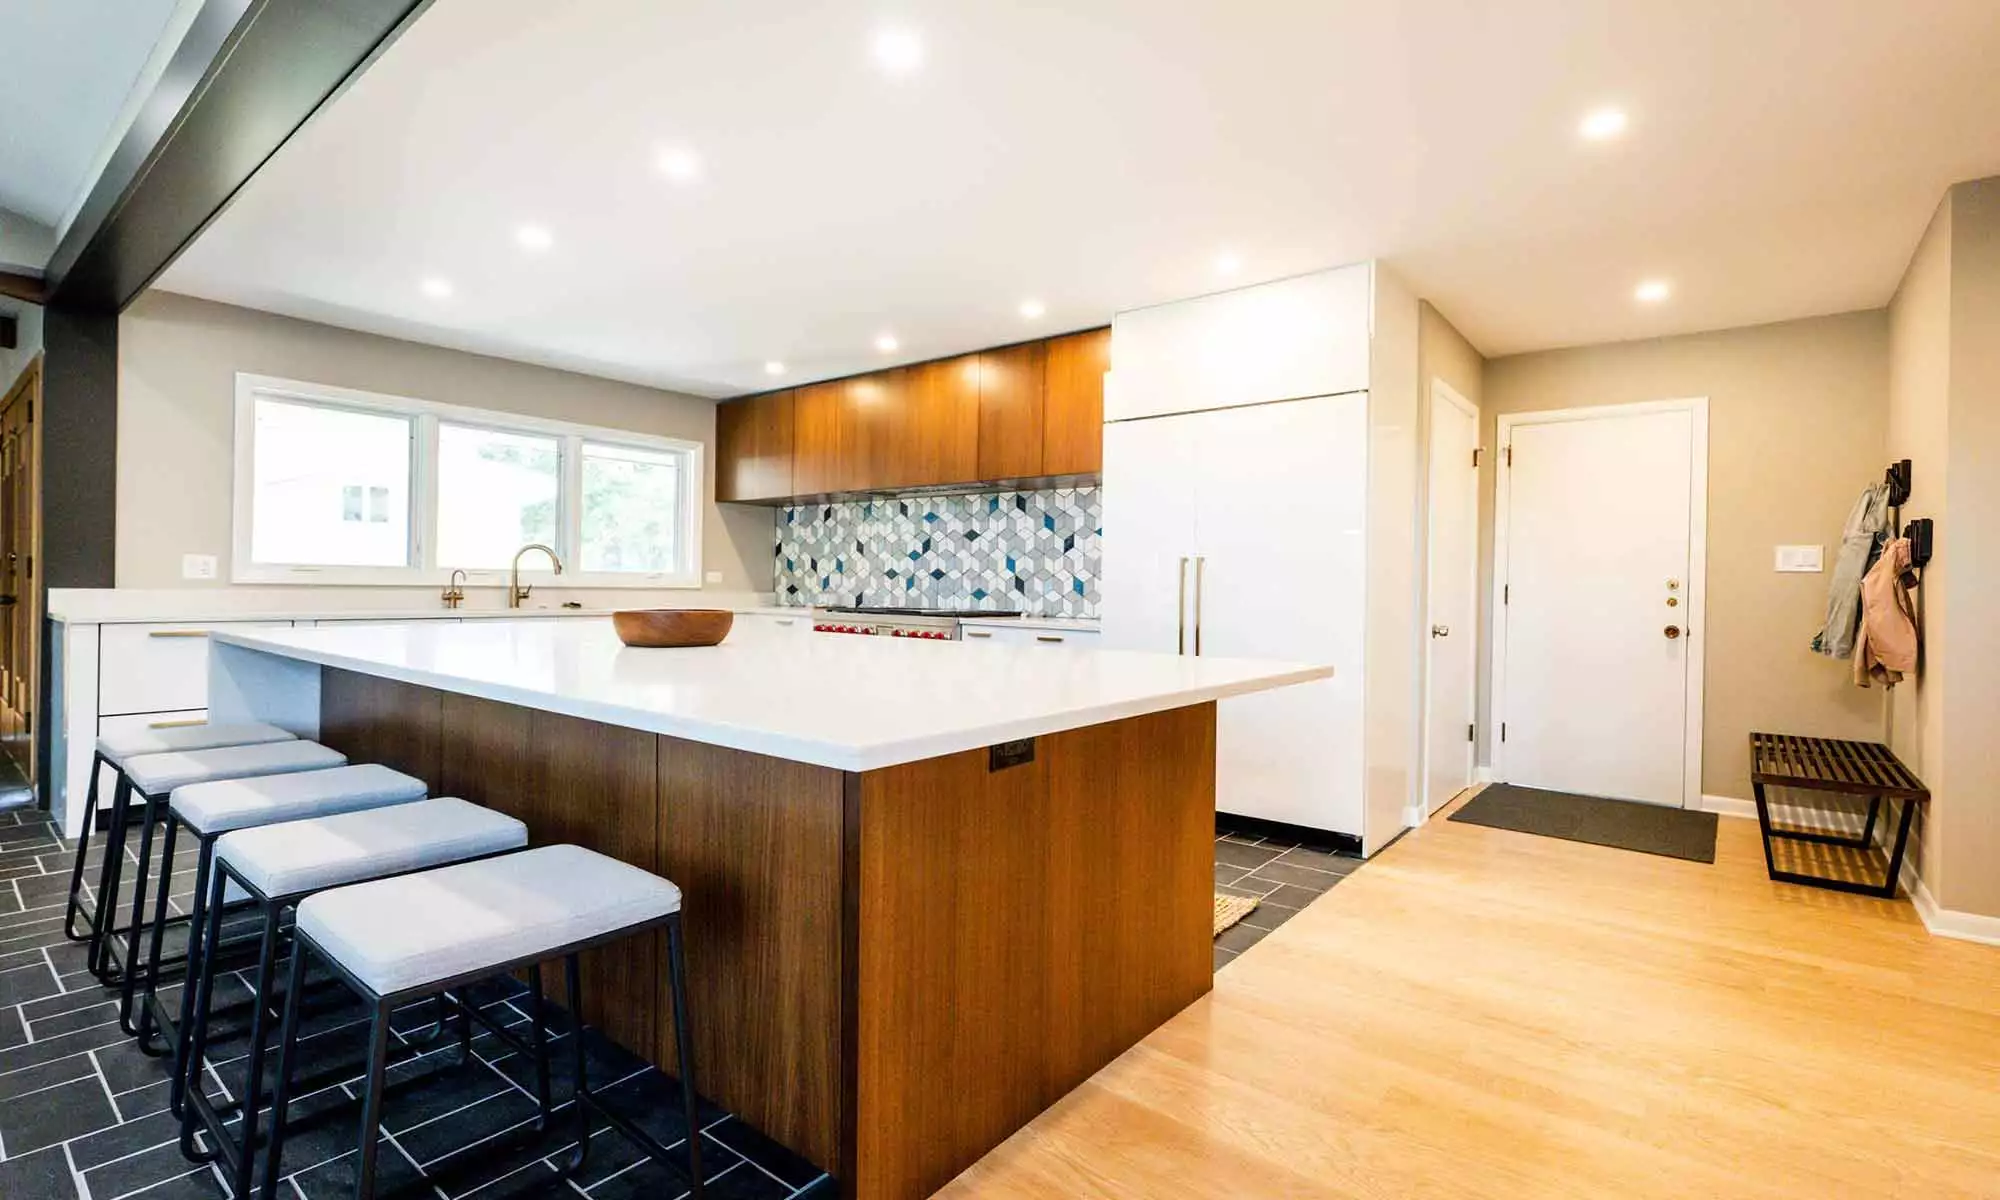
(1486, 1014)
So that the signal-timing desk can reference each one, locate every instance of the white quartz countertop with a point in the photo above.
(850, 703)
(109, 606)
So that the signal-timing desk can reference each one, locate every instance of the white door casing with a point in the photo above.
(1600, 521)
(1281, 514)
(1451, 610)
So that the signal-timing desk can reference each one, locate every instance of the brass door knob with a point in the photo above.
(1673, 631)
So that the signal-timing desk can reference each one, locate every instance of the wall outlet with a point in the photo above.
(712, 576)
(198, 566)
(1807, 560)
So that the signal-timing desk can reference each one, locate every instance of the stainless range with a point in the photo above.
(932, 624)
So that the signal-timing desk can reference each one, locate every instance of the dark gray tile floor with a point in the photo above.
(83, 1112)
(1283, 875)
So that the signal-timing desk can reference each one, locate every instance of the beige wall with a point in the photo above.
(1945, 406)
(1919, 400)
(1443, 353)
(1798, 418)
(1390, 692)
(177, 362)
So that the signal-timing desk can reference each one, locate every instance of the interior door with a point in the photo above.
(20, 599)
(1452, 615)
(1598, 533)
(1281, 491)
(1149, 541)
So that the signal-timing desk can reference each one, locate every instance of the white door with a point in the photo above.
(1149, 537)
(1599, 571)
(1281, 491)
(1452, 616)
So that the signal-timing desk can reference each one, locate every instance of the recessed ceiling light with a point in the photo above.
(887, 343)
(774, 367)
(437, 289)
(1227, 263)
(534, 237)
(1652, 291)
(1033, 309)
(1603, 124)
(679, 164)
(898, 51)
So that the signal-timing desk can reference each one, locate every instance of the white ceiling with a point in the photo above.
(66, 68)
(1782, 159)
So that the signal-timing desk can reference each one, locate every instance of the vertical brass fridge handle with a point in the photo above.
(1180, 610)
(1200, 562)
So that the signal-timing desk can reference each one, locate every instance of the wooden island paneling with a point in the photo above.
(889, 971)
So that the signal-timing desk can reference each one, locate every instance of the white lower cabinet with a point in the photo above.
(159, 668)
(774, 624)
(1029, 635)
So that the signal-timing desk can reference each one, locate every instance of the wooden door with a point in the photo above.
(1010, 411)
(820, 447)
(1073, 403)
(753, 448)
(20, 592)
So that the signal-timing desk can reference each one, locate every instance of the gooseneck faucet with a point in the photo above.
(515, 592)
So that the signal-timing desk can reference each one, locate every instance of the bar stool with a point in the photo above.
(277, 866)
(215, 807)
(153, 778)
(419, 936)
(112, 751)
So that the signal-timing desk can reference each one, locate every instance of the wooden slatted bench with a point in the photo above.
(1814, 764)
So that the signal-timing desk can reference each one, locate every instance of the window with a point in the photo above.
(336, 486)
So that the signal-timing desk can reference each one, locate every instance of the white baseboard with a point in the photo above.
(1728, 806)
(1482, 774)
(1414, 815)
(1943, 922)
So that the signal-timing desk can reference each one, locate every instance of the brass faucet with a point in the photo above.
(454, 591)
(515, 592)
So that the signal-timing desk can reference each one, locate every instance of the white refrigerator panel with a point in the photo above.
(1281, 495)
(1307, 336)
(1148, 543)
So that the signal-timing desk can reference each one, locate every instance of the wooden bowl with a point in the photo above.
(673, 626)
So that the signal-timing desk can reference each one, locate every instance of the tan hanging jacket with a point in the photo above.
(1886, 648)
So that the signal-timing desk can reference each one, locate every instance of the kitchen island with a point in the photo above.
(930, 887)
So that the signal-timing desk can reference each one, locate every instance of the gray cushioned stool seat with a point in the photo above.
(118, 747)
(395, 934)
(155, 774)
(326, 852)
(218, 807)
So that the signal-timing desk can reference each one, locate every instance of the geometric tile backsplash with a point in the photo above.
(1033, 551)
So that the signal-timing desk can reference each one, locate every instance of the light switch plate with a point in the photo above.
(712, 576)
(1807, 560)
(197, 566)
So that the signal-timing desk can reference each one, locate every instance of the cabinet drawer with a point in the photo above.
(135, 722)
(1075, 639)
(772, 625)
(159, 668)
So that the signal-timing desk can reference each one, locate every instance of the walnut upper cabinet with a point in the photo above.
(1010, 411)
(753, 448)
(1026, 412)
(822, 452)
(1073, 403)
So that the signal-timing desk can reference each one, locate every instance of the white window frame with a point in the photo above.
(425, 569)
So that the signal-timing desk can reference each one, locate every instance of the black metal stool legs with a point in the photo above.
(128, 990)
(76, 872)
(684, 1044)
(155, 944)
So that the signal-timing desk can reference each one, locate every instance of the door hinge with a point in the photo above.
(1503, 731)
(1475, 457)
(1506, 593)
(1509, 452)
(1471, 734)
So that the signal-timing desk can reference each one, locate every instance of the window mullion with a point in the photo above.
(424, 521)
(570, 531)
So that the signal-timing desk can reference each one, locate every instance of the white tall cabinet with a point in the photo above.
(1253, 490)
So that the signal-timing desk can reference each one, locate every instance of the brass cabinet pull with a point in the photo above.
(177, 633)
(177, 724)
(1048, 637)
(1200, 565)
(1180, 609)
(978, 633)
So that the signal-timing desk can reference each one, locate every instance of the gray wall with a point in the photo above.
(177, 363)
